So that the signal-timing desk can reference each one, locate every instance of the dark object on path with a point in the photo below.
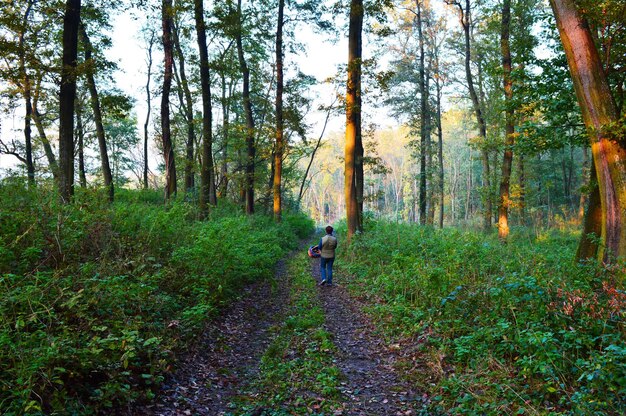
(314, 252)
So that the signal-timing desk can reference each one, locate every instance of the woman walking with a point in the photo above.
(327, 247)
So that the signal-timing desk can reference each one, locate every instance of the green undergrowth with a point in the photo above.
(297, 373)
(97, 299)
(494, 329)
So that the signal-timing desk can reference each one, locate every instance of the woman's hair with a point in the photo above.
(329, 230)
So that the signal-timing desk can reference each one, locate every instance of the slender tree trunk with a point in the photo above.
(168, 61)
(278, 151)
(440, 154)
(52, 162)
(27, 86)
(67, 95)
(465, 23)
(317, 146)
(598, 110)
(423, 116)
(247, 104)
(95, 106)
(522, 190)
(225, 136)
(80, 132)
(509, 139)
(187, 105)
(149, 104)
(353, 110)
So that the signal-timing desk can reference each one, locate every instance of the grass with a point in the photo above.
(496, 329)
(97, 299)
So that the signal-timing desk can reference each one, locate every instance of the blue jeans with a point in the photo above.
(326, 269)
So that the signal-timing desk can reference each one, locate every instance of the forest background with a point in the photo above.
(130, 218)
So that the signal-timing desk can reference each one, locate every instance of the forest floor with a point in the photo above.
(230, 371)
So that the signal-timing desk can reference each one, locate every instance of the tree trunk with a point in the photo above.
(423, 116)
(80, 132)
(52, 162)
(509, 139)
(353, 110)
(585, 181)
(67, 95)
(465, 23)
(522, 190)
(187, 105)
(278, 151)
(592, 225)
(440, 154)
(247, 105)
(149, 110)
(223, 189)
(97, 113)
(598, 111)
(168, 61)
(27, 86)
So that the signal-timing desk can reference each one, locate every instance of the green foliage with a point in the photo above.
(96, 299)
(497, 329)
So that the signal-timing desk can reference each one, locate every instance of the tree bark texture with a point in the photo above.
(168, 61)
(247, 105)
(278, 150)
(67, 95)
(353, 119)
(592, 221)
(509, 138)
(598, 111)
(97, 113)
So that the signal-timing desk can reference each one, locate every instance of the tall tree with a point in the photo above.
(599, 114)
(26, 85)
(150, 41)
(67, 95)
(187, 106)
(208, 195)
(97, 112)
(247, 106)
(353, 115)
(509, 139)
(424, 137)
(465, 20)
(278, 151)
(168, 61)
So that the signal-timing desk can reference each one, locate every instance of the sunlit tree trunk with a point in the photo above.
(598, 111)
(168, 61)
(278, 151)
(353, 111)
(247, 105)
(67, 95)
(509, 138)
(208, 195)
(97, 113)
